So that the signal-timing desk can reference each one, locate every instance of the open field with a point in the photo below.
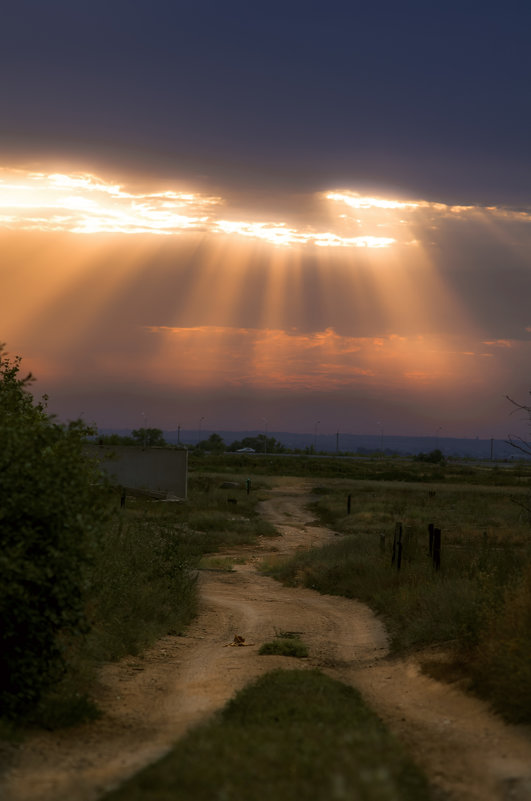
(458, 471)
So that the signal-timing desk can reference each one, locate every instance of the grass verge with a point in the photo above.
(290, 735)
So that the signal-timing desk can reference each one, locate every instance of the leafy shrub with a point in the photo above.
(51, 510)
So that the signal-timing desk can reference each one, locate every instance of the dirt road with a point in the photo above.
(149, 702)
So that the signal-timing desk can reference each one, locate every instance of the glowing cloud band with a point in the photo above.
(82, 203)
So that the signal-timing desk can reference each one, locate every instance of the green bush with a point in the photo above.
(51, 511)
(284, 646)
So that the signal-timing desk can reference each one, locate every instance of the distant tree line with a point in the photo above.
(154, 438)
(261, 444)
(434, 457)
(143, 437)
(268, 445)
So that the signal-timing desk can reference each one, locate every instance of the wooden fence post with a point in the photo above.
(406, 543)
(430, 534)
(437, 548)
(397, 546)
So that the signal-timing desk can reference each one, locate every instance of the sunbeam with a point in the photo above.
(109, 289)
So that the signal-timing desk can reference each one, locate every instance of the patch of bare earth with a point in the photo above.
(150, 701)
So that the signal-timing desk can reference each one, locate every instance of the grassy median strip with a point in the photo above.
(291, 735)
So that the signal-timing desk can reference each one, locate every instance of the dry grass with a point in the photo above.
(478, 604)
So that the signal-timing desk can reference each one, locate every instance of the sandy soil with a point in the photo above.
(150, 701)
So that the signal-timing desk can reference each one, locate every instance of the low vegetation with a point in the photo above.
(142, 583)
(478, 604)
(291, 735)
(83, 580)
(286, 643)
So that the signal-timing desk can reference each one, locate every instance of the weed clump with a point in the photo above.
(285, 646)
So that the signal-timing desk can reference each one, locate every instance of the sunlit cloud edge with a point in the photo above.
(82, 203)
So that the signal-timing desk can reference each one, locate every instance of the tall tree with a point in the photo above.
(149, 437)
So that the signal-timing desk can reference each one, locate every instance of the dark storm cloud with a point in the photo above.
(428, 98)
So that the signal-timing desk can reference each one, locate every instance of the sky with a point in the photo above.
(237, 216)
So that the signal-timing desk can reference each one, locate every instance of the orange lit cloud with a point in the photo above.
(280, 234)
(363, 203)
(499, 343)
(83, 203)
(393, 215)
(357, 201)
(207, 355)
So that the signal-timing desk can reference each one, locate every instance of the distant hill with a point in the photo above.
(358, 443)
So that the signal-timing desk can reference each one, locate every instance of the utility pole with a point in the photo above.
(264, 420)
(315, 435)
